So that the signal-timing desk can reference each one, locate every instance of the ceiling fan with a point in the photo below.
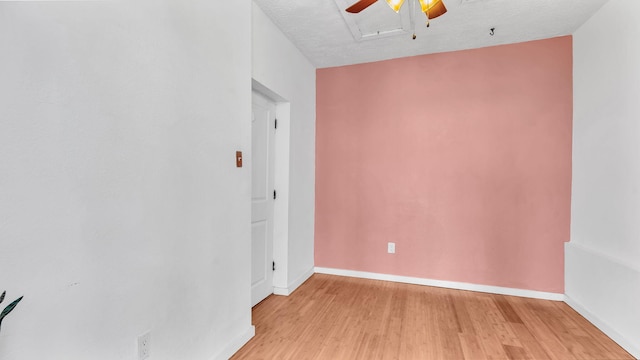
(431, 8)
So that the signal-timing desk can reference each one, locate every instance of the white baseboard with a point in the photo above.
(604, 327)
(234, 345)
(281, 291)
(444, 284)
(294, 285)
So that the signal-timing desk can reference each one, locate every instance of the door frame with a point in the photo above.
(281, 185)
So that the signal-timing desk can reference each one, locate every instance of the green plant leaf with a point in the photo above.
(2, 296)
(9, 308)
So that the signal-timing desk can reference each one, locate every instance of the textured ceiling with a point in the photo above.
(326, 36)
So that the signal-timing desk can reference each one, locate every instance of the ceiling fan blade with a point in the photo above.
(436, 10)
(360, 5)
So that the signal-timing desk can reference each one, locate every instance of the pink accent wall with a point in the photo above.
(463, 159)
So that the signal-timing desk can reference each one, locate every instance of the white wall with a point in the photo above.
(602, 272)
(121, 209)
(281, 68)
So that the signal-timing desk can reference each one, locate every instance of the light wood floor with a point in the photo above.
(331, 317)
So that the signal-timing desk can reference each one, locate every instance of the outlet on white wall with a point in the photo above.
(144, 345)
(391, 248)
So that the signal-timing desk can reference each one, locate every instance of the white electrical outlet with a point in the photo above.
(391, 248)
(144, 345)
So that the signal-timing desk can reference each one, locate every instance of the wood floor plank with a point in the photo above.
(507, 310)
(516, 353)
(501, 324)
(540, 331)
(331, 317)
(464, 320)
(484, 327)
(530, 344)
(471, 347)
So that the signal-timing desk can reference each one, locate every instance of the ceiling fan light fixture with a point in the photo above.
(396, 4)
(426, 4)
(433, 8)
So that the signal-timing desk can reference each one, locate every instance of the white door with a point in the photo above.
(262, 197)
